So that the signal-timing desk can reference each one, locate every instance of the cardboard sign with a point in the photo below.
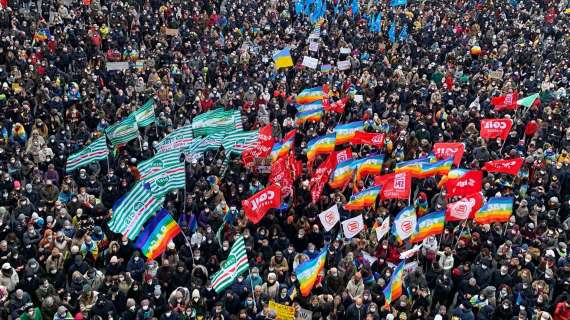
(343, 65)
(310, 62)
(282, 311)
(114, 66)
(497, 75)
(314, 46)
(170, 32)
(345, 50)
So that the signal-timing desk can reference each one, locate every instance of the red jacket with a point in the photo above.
(562, 312)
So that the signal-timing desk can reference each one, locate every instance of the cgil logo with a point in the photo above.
(466, 183)
(257, 202)
(495, 125)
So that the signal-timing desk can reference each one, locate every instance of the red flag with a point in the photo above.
(262, 148)
(507, 102)
(256, 206)
(343, 155)
(337, 106)
(446, 150)
(3, 4)
(464, 208)
(493, 128)
(282, 175)
(509, 166)
(375, 139)
(469, 183)
(321, 177)
(395, 185)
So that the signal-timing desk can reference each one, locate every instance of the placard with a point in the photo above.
(497, 74)
(345, 50)
(343, 65)
(282, 311)
(171, 32)
(310, 62)
(113, 66)
(314, 46)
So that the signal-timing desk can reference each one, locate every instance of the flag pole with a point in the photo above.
(189, 243)
(460, 232)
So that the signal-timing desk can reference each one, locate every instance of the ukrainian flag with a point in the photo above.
(283, 59)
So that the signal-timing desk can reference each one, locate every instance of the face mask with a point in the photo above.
(484, 267)
(145, 308)
(136, 258)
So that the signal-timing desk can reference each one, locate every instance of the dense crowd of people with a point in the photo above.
(59, 260)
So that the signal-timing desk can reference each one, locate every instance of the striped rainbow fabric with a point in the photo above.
(310, 95)
(497, 209)
(319, 145)
(315, 105)
(308, 271)
(157, 234)
(394, 288)
(310, 115)
(282, 148)
(429, 225)
(345, 132)
(342, 174)
(363, 199)
(371, 165)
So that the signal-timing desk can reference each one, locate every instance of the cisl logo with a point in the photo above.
(257, 202)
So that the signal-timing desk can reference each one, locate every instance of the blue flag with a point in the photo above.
(299, 7)
(392, 32)
(396, 3)
(378, 23)
(355, 7)
(403, 34)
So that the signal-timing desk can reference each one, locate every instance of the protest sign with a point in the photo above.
(282, 311)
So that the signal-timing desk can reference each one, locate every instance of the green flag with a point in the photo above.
(216, 121)
(527, 101)
(145, 114)
(235, 265)
(95, 151)
(123, 131)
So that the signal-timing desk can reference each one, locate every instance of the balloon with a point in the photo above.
(475, 50)
(531, 128)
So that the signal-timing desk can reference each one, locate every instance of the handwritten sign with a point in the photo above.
(304, 314)
(170, 32)
(345, 50)
(343, 65)
(282, 311)
(497, 74)
(114, 66)
(310, 62)
(314, 46)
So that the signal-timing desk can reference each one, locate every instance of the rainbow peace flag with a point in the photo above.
(394, 288)
(42, 35)
(157, 234)
(342, 174)
(441, 167)
(311, 115)
(282, 148)
(411, 165)
(345, 132)
(283, 59)
(453, 174)
(497, 209)
(308, 271)
(363, 199)
(429, 225)
(318, 145)
(315, 105)
(310, 95)
(326, 68)
(370, 165)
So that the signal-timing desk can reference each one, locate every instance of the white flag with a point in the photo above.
(330, 217)
(368, 258)
(383, 229)
(352, 226)
(411, 252)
